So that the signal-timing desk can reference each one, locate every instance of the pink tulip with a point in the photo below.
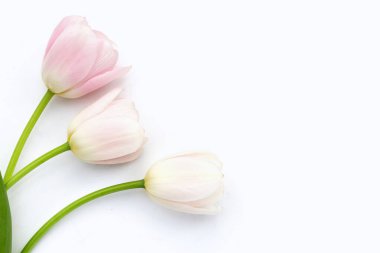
(107, 132)
(79, 60)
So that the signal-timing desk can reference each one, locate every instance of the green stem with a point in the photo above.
(25, 134)
(5, 220)
(31, 166)
(68, 209)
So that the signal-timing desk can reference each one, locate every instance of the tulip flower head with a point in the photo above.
(190, 183)
(107, 132)
(79, 60)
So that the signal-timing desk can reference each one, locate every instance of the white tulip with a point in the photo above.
(107, 132)
(190, 183)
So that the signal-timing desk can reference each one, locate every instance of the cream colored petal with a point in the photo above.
(205, 156)
(120, 107)
(94, 109)
(186, 208)
(123, 159)
(107, 139)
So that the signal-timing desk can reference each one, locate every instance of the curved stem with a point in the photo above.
(68, 209)
(31, 166)
(5, 220)
(25, 134)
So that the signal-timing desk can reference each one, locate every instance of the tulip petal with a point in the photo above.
(204, 156)
(122, 159)
(95, 83)
(70, 58)
(66, 22)
(94, 109)
(107, 56)
(208, 206)
(120, 107)
(212, 200)
(185, 208)
(96, 140)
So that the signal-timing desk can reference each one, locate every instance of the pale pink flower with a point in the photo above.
(107, 132)
(79, 60)
(190, 183)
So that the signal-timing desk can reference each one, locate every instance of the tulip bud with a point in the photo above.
(107, 132)
(190, 183)
(79, 60)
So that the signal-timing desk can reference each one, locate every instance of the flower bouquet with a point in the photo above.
(77, 61)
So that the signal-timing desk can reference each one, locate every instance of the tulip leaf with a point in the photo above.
(5, 220)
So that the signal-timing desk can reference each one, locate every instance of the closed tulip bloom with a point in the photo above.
(79, 60)
(190, 183)
(107, 132)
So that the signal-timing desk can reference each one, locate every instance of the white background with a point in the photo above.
(286, 93)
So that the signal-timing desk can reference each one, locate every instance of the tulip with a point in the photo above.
(107, 132)
(79, 60)
(190, 183)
